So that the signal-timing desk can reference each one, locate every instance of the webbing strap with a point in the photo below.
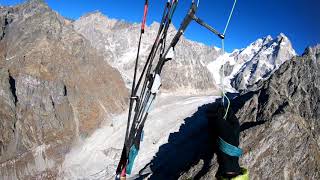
(229, 149)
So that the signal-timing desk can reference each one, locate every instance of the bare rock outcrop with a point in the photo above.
(287, 144)
(281, 121)
(55, 89)
(280, 124)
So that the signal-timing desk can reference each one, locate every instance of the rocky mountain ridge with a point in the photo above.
(119, 39)
(193, 61)
(265, 56)
(55, 89)
(280, 122)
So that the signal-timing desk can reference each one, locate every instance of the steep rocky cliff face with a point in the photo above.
(54, 90)
(118, 41)
(287, 145)
(280, 124)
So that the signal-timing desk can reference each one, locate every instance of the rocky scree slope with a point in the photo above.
(54, 90)
(118, 41)
(280, 124)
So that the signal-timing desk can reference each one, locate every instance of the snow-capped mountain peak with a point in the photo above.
(248, 65)
(261, 58)
(117, 41)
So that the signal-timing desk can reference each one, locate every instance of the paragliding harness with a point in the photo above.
(144, 94)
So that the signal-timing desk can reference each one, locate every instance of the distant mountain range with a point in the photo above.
(190, 70)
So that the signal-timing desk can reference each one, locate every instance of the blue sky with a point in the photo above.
(253, 19)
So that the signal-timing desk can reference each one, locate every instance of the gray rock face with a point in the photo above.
(313, 52)
(287, 145)
(54, 90)
(280, 124)
(118, 41)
